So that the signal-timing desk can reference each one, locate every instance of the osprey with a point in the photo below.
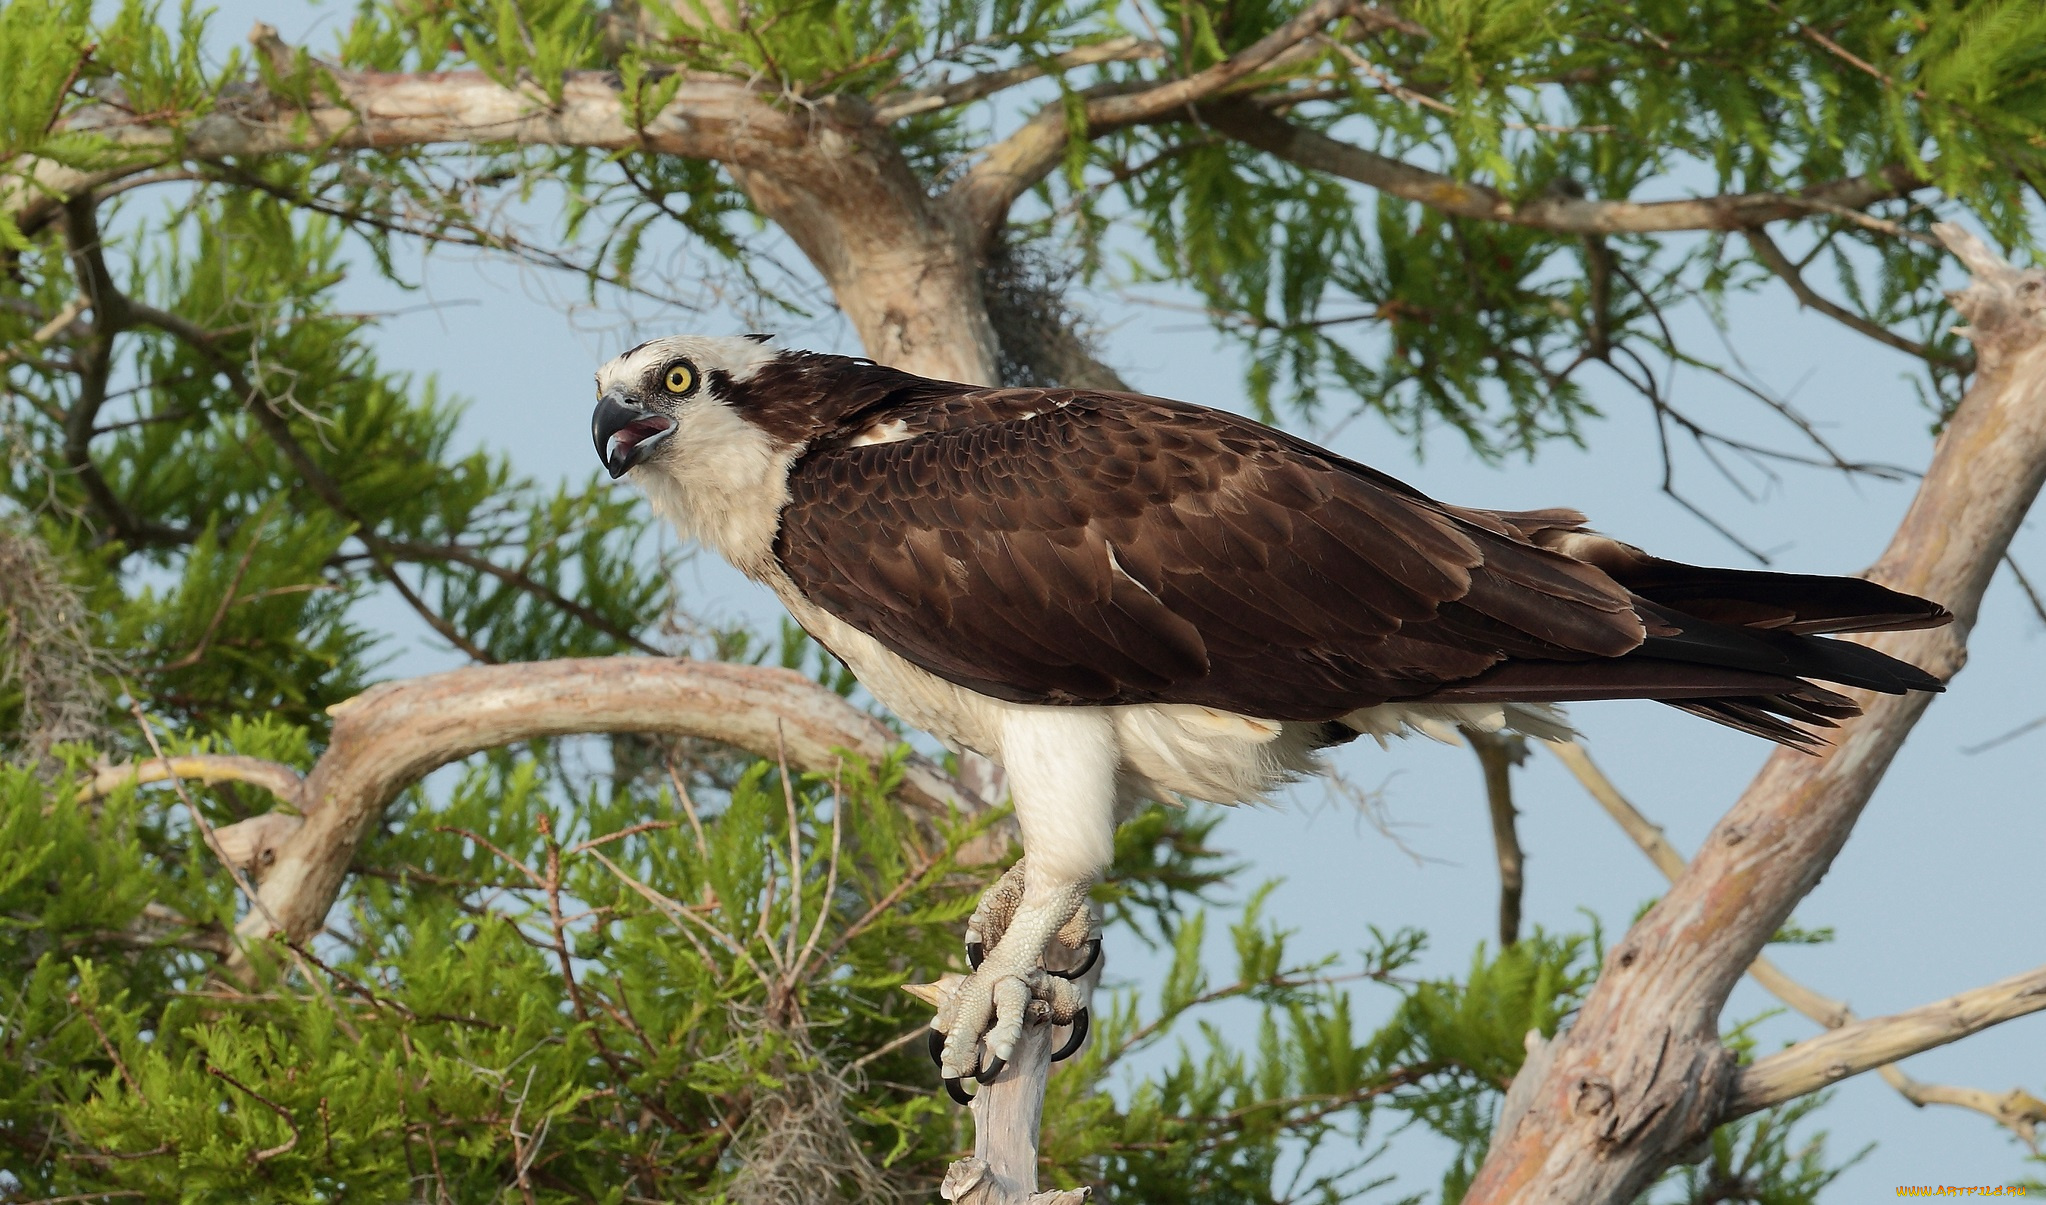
(1123, 598)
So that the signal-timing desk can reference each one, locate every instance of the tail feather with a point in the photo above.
(1737, 647)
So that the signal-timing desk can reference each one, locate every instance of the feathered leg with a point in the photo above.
(1061, 765)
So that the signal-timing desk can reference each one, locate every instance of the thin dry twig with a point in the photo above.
(1497, 755)
(267, 1153)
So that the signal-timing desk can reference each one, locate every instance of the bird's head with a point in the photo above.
(648, 394)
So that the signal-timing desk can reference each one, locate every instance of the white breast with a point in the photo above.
(723, 486)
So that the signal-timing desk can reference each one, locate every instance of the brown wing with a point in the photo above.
(1072, 547)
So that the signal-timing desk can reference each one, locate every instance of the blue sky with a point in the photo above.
(1936, 892)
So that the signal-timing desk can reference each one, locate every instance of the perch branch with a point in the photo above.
(1641, 1076)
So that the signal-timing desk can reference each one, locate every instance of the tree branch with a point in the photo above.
(1852, 1049)
(1772, 257)
(1249, 124)
(2017, 1110)
(1014, 165)
(888, 110)
(1497, 755)
(263, 409)
(710, 117)
(391, 736)
(275, 777)
(1641, 1076)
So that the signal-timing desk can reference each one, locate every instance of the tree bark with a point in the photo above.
(391, 736)
(1642, 1076)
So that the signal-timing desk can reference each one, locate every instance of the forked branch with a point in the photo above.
(393, 735)
(1641, 1076)
(2017, 1110)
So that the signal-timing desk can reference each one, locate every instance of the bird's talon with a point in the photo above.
(1073, 1042)
(1093, 948)
(976, 953)
(988, 1073)
(956, 1091)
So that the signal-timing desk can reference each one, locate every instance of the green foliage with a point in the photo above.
(1760, 1161)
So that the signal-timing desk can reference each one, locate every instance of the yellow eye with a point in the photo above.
(680, 379)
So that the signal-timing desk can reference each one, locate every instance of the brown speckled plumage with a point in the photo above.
(1073, 547)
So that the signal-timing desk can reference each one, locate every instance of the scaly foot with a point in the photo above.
(976, 1029)
(997, 907)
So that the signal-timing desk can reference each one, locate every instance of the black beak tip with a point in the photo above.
(615, 413)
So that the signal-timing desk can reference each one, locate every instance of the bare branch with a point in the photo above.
(1853, 1049)
(1158, 101)
(2018, 1110)
(1497, 755)
(1641, 1076)
(275, 777)
(986, 83)
(392, 735)
(710, 117)
(1772, 257)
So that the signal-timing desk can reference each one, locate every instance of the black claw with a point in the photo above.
(1078, 1036)
(989, 1072)
(956, 1092)
(976, 953)
(1093, 948)
(936, 1045)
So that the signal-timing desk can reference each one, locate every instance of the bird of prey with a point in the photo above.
(1122, 598)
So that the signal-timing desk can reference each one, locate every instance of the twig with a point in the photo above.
(106, 1043)
(1497, 755)
(205, 826)
(1772, 256)
(267, 1153)
(987, 83)
(2031, 592)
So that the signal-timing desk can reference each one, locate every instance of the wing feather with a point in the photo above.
(1079, 547)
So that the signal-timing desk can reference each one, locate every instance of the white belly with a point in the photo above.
(1167, 751)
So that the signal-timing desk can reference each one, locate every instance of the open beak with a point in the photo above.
(626, 432)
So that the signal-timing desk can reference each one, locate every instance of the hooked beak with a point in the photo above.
(626, 432)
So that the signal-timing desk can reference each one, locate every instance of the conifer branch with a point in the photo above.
(1250, 124)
